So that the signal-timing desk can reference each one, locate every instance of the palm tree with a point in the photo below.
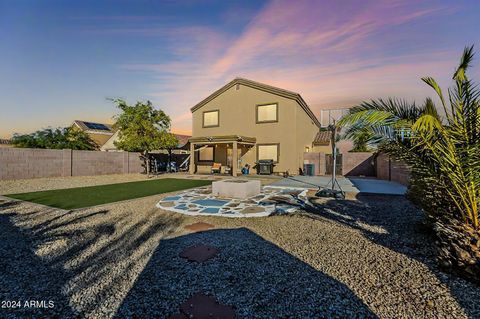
(442, 150)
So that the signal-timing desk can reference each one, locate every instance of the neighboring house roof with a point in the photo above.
(92, 127)
(263, 87)
(4, 141)
(110, 146)
(322, 138)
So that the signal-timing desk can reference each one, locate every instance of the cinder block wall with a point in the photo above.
(358, 164)
(23, 163)
(392, 170)
(17, 163)
(354, 164)
(87, 163)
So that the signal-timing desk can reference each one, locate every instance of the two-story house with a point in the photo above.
(246, 121)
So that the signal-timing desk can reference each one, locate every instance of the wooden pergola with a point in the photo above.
(235, 140)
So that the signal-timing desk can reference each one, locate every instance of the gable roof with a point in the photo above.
(92, 127)
(263, 87)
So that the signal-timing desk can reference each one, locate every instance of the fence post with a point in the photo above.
(389, 168)
(125, 163)
(322, 167)
(67, 160)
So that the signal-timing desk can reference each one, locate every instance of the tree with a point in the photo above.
(143, 129)
(360, 139)
(442, 150)
(59, 138)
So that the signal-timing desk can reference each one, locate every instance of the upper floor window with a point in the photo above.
(211, 118)
(267, 113)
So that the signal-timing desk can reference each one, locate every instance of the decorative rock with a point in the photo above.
(202, 306)
(252, 210)
(200, 226)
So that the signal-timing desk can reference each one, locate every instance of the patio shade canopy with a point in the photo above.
(235, 140)
(223, 139)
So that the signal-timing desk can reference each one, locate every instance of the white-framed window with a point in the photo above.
(268, 151)
(206, 154)
(211, 118)
(267, 113)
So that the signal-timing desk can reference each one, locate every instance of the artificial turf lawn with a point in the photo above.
(71, 198)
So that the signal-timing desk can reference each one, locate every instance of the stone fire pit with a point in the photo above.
(236, 188)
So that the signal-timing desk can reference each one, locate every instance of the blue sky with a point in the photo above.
(61, 60)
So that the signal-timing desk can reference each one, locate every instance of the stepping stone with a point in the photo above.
(199, 253)
(202, 306)
(200, 226)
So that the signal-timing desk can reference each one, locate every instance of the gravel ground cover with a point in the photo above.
(363, 258)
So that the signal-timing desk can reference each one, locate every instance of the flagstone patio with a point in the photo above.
(201, 201)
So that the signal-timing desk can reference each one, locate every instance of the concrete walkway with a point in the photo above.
(348, 184)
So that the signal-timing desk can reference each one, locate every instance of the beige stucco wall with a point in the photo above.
(99, 138)
(293, 131)
(327, 149)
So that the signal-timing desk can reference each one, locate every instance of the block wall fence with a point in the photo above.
(392, 170)
(23, 163)
(353, 164)
(364, 164)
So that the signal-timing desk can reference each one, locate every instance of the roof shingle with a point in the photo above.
(322, 138)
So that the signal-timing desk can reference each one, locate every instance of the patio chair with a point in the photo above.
(227, 170)
(216, 168)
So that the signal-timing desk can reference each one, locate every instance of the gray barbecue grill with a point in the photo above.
(265, 167)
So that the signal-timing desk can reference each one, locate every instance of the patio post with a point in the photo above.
(191, 169)
(235, 159)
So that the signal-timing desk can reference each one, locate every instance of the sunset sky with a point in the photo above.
(61, 60)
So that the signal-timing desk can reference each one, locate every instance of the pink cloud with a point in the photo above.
(330, 52)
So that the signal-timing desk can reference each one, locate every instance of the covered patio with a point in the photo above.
(227, 150)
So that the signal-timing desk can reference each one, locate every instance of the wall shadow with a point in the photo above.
(26, 277)
(84, 260)
(363, 168)
(395, 223)
(256, 277)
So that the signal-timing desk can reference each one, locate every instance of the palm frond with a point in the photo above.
(465, 62)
